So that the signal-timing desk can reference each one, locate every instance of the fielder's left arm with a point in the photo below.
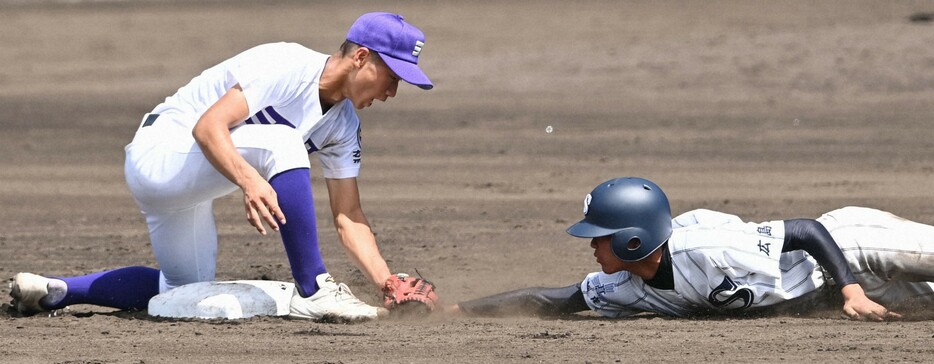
(360, 244)
(354, 230)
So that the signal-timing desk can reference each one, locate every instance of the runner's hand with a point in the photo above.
(857, 306)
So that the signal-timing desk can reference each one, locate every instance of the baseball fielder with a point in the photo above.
(705, 262)
(250, 122)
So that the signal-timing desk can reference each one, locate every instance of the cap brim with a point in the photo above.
(584, 229)
(408, 72)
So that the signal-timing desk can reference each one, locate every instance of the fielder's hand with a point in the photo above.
(262, 205)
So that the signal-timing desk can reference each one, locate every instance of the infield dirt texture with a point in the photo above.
(767, 110)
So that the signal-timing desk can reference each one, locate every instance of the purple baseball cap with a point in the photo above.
(397, 42)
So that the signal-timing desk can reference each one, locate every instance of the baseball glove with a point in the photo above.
(405, 295)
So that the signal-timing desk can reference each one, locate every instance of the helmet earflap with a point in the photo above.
(634, 244)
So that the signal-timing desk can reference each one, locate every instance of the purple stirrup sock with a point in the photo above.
(127, 288)
(300, 232)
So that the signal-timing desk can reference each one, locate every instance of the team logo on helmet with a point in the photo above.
(587, 200)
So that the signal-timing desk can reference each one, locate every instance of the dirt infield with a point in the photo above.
(760, 109)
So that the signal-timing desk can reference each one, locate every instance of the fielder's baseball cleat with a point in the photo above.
(333, 301)
(27, 289)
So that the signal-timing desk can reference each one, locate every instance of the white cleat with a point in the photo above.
(27, 290)
(332, 302)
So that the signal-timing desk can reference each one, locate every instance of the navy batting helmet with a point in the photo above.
(633, 210)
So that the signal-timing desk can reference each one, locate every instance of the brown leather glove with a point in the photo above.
(402, 292)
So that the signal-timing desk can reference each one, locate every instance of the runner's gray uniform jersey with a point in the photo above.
(719, 263)
(722, 264)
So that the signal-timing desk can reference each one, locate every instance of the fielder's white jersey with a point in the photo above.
(280, 82)
(719, 264)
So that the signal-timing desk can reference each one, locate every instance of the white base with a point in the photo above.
(230, 300)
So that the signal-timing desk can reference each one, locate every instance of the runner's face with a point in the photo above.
(603, 250)
(374, 80)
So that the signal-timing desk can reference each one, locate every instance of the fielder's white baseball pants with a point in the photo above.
(175, 185)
